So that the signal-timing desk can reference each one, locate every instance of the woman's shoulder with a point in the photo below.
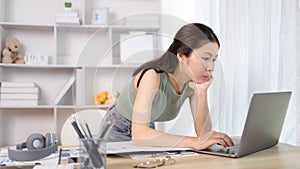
(149, 73)
(147, 76)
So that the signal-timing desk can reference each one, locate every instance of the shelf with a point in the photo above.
(82, 107)
(117, 28)
(50, 27)
(86, 28)
(39, 66)
(57, 106)
(28, 107)
(60, 66)
(112, 66)
(24, 26)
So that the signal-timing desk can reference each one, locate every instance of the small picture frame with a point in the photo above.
(100, 16)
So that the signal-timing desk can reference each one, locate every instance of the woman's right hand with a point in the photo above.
(213, 137)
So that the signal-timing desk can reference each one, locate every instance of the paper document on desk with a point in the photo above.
(6, 161)
(128, 147)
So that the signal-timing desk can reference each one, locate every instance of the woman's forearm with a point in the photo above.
(145, 136)
(199, 107)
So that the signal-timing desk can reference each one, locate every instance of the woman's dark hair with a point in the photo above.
(188, 38)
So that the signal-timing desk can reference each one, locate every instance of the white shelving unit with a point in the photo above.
(90, 53)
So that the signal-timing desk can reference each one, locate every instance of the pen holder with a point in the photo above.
(92, 153)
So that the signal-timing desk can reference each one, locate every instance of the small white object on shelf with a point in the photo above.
(100, 16)
(67, 14)
(36, 58)
(67, 18)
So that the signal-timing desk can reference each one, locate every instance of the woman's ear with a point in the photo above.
(181, 57)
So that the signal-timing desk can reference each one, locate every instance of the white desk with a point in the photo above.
(281, 156)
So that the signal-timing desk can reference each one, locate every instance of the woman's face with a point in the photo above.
(202, 62)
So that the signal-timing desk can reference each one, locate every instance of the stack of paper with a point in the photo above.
(127, 147)
(19, 94)
(67, 18)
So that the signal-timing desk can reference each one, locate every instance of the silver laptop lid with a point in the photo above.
(264, 121)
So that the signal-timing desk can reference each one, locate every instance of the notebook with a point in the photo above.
(262, 128)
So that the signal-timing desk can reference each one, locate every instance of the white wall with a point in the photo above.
(181, 11)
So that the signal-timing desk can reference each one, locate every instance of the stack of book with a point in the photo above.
(19, 94)
(71, 18)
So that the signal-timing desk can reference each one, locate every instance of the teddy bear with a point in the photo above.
(10, 52)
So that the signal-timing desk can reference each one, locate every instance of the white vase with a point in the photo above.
(68, 9)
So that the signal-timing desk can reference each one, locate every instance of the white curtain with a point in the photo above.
(259, 48)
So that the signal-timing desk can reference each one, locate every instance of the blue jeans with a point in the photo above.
(121, 130)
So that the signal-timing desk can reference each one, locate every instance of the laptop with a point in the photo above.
(262, 128)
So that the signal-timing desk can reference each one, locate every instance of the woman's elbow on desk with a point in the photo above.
(143, 135)
(140, 134)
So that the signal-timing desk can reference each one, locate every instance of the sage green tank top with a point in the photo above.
(166, 103)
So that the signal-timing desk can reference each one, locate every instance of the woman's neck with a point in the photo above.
(179, 78)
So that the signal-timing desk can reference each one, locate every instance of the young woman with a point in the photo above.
(159, 88)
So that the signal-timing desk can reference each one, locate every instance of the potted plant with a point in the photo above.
(68, 6)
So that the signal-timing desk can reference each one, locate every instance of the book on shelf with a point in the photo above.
(19, 89)
(19, 93)
(80, 86)
(67, 18)
(67, 14)
(17, 84)
(11, 102)
(19, 96)
(64, 90)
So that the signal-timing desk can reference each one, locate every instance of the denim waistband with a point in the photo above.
(115, 111)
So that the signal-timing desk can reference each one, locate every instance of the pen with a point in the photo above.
(77, 130)
(106, 130)
(59, 156)
(80, 125)
(88, 130)
(92, 149)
